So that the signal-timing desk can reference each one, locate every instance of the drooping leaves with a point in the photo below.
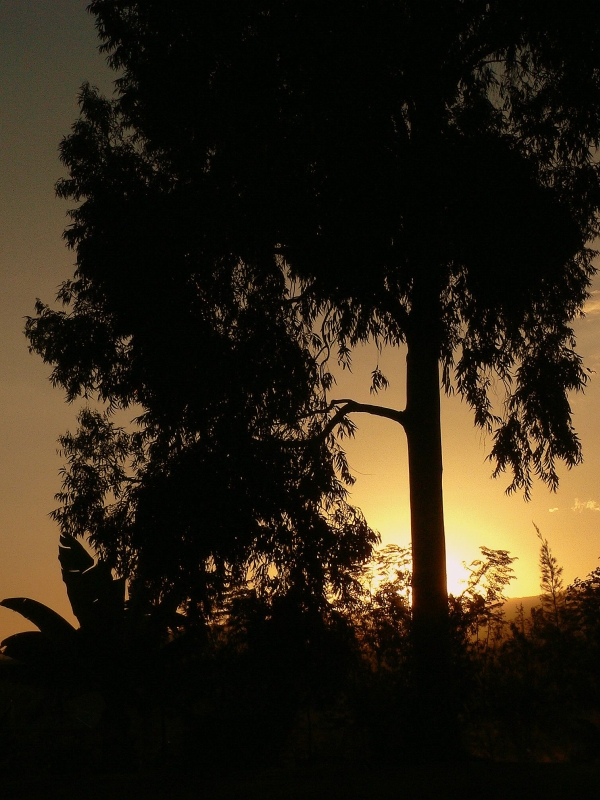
(367, 143)
(48, 621)
(209, 347)
(34, 649)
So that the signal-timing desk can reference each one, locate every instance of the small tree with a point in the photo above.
(483, 598)
(382, 620)
(553, 594)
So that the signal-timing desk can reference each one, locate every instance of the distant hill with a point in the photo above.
(512, 604)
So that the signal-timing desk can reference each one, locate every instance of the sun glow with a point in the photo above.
(456, 575)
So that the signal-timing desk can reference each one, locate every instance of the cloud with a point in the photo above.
(592, 305)
(552, 510)
(589, 505)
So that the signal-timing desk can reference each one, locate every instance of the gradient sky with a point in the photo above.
(48, 48)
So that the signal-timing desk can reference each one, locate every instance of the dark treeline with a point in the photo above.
(269, 683)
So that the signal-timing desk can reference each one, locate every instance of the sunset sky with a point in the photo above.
(48, 48)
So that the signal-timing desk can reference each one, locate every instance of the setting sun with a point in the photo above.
(456, 574)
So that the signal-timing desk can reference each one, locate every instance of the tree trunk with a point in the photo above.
(430, 597)
(434, 718)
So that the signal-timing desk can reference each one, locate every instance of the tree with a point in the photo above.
(425, 173)
(211, 485)
(480, 604)
(551, 584)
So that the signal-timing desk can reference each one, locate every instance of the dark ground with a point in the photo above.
(470, 781)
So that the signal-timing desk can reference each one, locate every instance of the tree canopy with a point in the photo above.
(212, 482)
(375, 147)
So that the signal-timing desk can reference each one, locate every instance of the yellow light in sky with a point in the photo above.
(456, 575)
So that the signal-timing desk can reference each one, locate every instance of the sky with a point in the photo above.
(48, 48)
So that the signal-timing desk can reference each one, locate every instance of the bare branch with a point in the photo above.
(352, 407)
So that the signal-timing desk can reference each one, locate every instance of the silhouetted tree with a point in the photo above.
(478, 611)
(424, 171)
(553, 594)
(212, 482)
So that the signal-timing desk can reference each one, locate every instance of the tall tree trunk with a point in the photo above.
(434, 718)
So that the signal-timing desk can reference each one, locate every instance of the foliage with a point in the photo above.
(104, 669)
(92, 678)
(381, 614)
(187, 232)
(537, 696)
(583, 595)
(380, 148)
(211, 481)
(273, 678)
(396, 171)
(553, 595)
(479, 608)
(97, 601)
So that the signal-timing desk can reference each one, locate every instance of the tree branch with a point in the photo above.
(351, 407)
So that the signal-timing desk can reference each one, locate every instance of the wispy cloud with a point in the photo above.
(592, 305)
(552, 510)
(589, 505)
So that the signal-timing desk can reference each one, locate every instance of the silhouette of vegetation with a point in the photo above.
(273, 184)
(541, 698)
(552, 583)
(273, 681)
(212, 483)
(102, 671)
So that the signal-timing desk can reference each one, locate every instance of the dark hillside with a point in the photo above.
(511, 606)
